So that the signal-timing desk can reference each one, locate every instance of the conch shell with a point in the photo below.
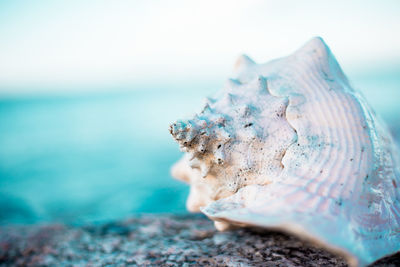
(290, 145)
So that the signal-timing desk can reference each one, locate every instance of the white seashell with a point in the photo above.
(297, 149)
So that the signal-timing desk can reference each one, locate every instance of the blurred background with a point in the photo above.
(88, 89)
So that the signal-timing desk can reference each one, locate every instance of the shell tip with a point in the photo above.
(243, 61)
(222, 226)
(315, 45)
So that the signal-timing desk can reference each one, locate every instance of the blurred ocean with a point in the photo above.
(90, 157)
(94, 157)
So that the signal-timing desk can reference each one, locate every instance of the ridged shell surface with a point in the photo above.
(290, 145)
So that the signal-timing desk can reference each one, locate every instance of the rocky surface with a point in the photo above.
(158, 240)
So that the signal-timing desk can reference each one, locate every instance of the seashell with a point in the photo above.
(290, 145)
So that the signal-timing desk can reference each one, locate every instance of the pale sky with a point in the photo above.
(64, 45)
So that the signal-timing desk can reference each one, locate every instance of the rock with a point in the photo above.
(158, 240)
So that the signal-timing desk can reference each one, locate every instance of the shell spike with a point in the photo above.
(190, 136)
(178, 130)
(209, 101)
(206, 108)
(262, 83)
(228, 98)
(185, 132)
(318, 54)
(243, 62)
(222, 226)
(315, 45)
(232, 83)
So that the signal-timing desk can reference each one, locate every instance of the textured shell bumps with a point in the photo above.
(290, 145)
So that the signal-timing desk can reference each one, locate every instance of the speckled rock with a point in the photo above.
(158, 240)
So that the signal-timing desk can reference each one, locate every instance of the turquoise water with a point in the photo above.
(94, 157)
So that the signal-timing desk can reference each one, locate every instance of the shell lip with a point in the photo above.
(296, 230)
